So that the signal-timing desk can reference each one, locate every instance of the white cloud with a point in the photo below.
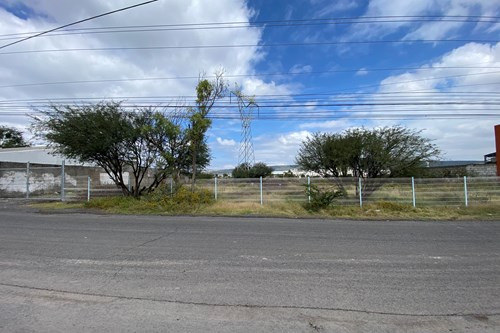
(96, 65)
(332, 7)
(330, 125)
(361, 72)
(279, 149)
(293, 138)
(254, 86)
(434, 75)
(226, 142)
(102, 65)
(458, 138)
(298, 68)
(422, 30)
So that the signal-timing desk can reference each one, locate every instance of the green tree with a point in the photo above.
(143, 142)
(241, 171)
(11, 138)
(207, 93)
(173, 141)
(382, 152)
(260, 170)
(257, 170)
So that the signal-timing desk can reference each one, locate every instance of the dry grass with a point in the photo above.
(58, 205)
(374, 211)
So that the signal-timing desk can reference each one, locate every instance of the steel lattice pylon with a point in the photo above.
(246, 107)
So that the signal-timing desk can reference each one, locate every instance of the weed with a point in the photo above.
(322, 197)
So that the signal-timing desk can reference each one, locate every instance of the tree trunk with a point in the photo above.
(193, 177)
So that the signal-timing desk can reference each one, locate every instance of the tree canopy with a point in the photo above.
(381, 152)
(207, 93)
(255, 171)
(143, 142)
(11, 138)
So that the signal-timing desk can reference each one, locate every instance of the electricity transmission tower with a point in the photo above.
(246, 107)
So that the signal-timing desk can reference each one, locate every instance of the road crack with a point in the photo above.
(250, 306)
(142, 244)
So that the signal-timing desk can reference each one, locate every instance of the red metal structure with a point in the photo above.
(497, 141)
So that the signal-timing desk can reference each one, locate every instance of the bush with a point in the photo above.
(257, 170)
(322, 198)
(182, 200)
(203, 175)
(160, 201)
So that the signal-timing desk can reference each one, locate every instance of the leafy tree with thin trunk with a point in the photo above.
(207, 93)
(381, 152)
(143, 142)
(257, 170)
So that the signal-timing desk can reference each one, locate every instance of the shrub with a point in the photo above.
(257, 170)
(161, 200)
(322, 198)
(182, 200)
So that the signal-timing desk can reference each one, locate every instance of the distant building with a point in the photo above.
(35, 155)
(282, 170)
(45, 169)
(278, 171)
(483, 168)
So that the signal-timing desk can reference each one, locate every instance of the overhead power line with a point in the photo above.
(382, 114)
(239, 25)
(279, 107)
(196, 77)
(271, 23)
(336, 94)
(78, 22)
(180, 47)
(427, 94)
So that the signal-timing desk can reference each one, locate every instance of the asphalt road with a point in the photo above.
(78, 272)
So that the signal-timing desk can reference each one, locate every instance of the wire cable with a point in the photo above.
(77, 22)
(335, 20)
(249, 25)
(188, 47)
(197, 77)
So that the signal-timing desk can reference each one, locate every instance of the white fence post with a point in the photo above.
(413, 192)
(27, 180)
(466, 192)
(261, 191)
(88, 188)
(63, 176)
(215, 187)
(309, 189)
(360, 193)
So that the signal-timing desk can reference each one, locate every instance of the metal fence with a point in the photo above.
(414, 192)
(53, 183)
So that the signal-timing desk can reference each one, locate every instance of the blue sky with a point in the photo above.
(430, 67)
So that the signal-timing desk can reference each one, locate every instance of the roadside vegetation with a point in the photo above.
(257, 170)
(150, 146)
(147, 145)
(185, 202)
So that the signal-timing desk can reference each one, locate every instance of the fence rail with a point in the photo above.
(53, 183)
